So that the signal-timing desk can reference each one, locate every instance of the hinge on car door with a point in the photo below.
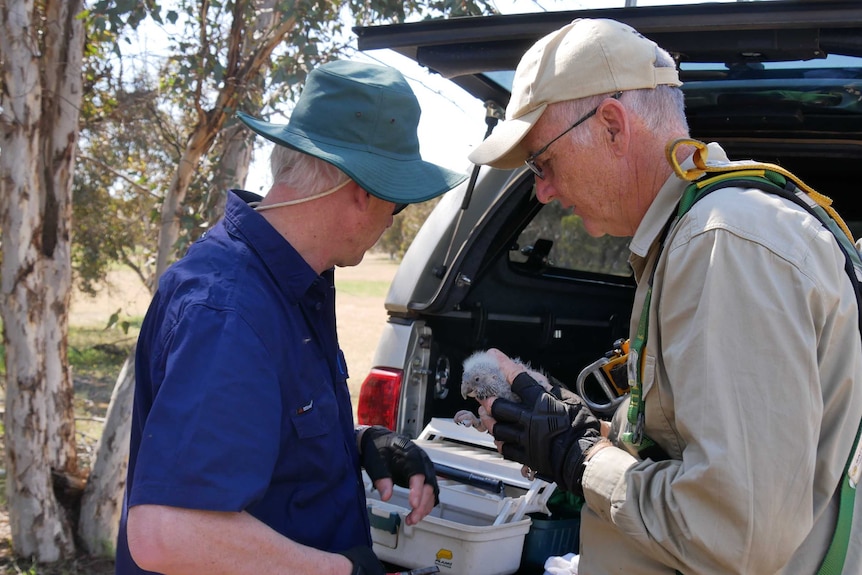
(494, 112)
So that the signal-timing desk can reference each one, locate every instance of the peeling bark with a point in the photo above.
(42, 47)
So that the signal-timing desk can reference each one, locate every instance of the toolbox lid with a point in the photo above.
(468, 449)
(473, 453)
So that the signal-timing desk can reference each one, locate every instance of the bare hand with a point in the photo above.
(509, 367)
(487, 421)
(420, 497)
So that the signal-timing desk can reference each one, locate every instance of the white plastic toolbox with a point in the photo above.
(473, 530)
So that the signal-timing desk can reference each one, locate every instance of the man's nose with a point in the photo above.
(545, 191)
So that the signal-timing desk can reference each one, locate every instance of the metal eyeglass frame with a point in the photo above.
(531, 159)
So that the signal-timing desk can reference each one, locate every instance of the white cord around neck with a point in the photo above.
(259, 208)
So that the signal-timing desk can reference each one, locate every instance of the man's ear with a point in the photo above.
(360, 198)
(616, 124)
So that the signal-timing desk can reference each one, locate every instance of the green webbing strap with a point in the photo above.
(635, 377)
(833, 563)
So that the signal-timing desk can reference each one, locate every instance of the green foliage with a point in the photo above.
(606, 254)
(128, 151)
(380, 11)
(115, 322)
(573, 247)
(116, 15)
(83, 565)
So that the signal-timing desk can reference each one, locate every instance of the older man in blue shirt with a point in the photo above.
(244, 455)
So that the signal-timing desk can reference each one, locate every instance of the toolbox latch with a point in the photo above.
(388, 523)
(385, 526)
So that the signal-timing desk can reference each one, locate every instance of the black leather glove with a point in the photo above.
(384, 453)
(365, 562)
(549, 432)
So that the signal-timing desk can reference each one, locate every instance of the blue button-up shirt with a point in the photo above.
(241, 399)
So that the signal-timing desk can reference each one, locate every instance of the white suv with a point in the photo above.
(492, 267)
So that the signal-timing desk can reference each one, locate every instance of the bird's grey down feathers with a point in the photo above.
(482, 378)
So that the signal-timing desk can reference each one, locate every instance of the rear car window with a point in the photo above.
(556, 240)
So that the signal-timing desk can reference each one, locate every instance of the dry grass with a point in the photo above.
(361, 316)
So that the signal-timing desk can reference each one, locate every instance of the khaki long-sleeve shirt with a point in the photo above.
(752, 385)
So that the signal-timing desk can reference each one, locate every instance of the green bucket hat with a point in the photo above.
(362, 118)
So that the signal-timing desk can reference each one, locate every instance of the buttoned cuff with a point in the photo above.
(604, 480)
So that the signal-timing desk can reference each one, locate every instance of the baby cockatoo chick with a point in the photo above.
(483, 378)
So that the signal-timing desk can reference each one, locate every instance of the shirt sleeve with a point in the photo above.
(211, 438)
(736, 317)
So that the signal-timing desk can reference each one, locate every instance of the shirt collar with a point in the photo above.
(663, 207)
(290, 271)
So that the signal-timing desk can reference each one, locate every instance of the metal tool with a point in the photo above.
(610, 374)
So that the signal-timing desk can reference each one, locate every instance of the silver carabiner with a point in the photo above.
(598, 406)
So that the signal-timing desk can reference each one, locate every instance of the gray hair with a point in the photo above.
(662, 109)
(299, 171)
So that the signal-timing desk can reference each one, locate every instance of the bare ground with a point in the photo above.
(361, 318)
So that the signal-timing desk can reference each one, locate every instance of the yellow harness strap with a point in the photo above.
(701, 167)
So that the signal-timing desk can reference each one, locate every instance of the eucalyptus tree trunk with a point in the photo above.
(103, 496)
(41, 49)
(232, 171)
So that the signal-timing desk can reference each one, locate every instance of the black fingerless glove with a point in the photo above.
(365, 562)
(550, 434)
(384, 453)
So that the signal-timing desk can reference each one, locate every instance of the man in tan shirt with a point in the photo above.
(751, 373)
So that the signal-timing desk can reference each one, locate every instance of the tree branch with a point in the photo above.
(122, 176)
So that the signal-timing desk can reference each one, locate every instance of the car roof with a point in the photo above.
(779, 80)
(472, 51)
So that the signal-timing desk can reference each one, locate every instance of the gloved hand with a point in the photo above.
(384, 453)
(365, 562)
(549, 432)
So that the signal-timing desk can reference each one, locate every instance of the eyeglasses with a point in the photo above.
(396, 210)
(531, 160)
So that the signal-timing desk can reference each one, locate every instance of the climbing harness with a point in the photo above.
(773, 179)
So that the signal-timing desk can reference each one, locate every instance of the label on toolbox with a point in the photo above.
(444, 558)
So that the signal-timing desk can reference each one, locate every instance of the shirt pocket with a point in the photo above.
(314, 416)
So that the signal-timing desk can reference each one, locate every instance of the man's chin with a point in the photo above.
(350, 263)
(592, 230)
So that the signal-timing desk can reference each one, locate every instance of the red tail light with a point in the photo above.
(378, 397)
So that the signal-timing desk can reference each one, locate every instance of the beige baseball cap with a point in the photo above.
(585, 58)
